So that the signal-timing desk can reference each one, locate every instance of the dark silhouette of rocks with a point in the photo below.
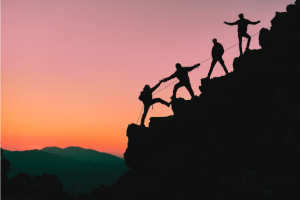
(264, 37)
(137, 148)
(238, 140)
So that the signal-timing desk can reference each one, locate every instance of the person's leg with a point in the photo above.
(249, 39)
(178, 85)
(146, 108)
(159, 100)
(213, 63)
(240, 44)
(189, 88)
(221, 61)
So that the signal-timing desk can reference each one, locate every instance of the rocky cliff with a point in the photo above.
(240, 139)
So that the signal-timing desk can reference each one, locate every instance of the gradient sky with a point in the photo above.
(72, 70)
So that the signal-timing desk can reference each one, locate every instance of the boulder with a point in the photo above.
(264, 37)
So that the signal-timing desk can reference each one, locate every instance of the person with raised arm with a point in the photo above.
(242, 30)
(146, 98)
(184, 80)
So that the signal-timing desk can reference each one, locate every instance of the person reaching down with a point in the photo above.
(184, 80)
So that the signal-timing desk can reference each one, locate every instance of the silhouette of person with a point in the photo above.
(146, 98)
(217, 53)
(184, 80)
(242, 30)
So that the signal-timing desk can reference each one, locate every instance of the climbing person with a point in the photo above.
(242, 30)
(182, 74)
(217, 53)
(146, 98)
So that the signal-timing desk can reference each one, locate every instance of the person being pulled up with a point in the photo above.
(184, 80)
(146, 98)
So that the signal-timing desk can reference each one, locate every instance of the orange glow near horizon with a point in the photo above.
(72, 71)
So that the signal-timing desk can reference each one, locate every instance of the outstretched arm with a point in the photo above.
(234, 23)
(193, 67)
(156, 86)
(169, 78)
(254, 22)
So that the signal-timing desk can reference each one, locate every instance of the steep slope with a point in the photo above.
(84, 154)
(86, 175)
(238, 140)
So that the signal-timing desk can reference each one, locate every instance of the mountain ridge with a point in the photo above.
(86, 174)
(84, 154)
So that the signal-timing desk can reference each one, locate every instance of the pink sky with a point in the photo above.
(72, 70)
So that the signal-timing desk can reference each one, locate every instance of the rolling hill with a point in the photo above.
(84, 154)
(87, 175)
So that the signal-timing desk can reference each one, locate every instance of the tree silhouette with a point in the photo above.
(5, 167)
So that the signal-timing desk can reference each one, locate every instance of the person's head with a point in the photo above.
(241, 16)
(147, 87)
(215, 41)
(178, 66)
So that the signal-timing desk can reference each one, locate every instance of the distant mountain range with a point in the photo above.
(84, 154)
(86, 168)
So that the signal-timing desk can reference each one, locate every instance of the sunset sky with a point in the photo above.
(72, 70)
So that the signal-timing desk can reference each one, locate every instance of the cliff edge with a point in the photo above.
(238, 140)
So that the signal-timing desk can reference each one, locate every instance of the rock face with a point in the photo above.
(240, 139)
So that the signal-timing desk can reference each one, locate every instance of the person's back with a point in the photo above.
(242, 30)
(182, 74)
(217, 50)
(146, 98)
(146, 95)
(243, 25)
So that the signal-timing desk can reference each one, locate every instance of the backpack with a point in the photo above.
(220, 49)
(145, 96)
(142, 96)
